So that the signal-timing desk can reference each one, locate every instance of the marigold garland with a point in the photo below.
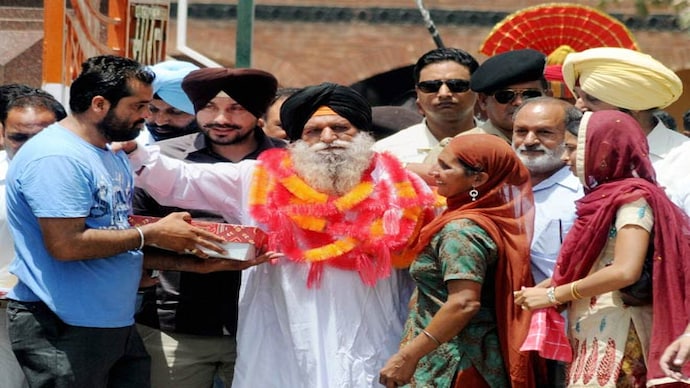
(360, 231)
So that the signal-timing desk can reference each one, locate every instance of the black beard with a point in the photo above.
(238, 140)
(163, 132)
(114, 129)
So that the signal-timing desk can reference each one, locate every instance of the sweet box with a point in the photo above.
(241, 242)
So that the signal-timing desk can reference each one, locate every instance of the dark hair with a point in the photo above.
(571, 115)
(666, 118)
(22, 96)
(686, 120)
(283, 93)
(469, 169)
(442, 55)
(106, 76)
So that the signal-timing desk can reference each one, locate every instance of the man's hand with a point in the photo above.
(160, 259)
(215, 265)
(174, 232)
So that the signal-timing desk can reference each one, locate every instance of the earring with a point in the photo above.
(474, 194)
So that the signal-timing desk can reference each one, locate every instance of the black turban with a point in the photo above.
(345, 101)
(251, 88)
(508, 68)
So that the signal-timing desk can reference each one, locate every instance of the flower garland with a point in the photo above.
(364, 230)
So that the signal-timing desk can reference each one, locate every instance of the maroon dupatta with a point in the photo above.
(614, 166)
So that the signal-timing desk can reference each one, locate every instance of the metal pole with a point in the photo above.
(430, 24)
(245, 26)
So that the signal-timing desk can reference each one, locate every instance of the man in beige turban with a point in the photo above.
(635, 83)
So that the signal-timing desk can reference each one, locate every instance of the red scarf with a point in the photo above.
(364, 230)
(505, 210)
(615, 169)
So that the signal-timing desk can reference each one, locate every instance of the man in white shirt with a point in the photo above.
(635, 83)
(24, 111)
(539, 126)
(538, 134)
(331, 312)
(442, 82)
(501, 83)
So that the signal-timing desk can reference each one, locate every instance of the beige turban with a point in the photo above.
(623, 78)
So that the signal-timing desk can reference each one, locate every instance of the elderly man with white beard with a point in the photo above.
(539, 126)
(331, 311)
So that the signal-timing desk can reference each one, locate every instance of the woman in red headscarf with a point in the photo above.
(624, 220)
(463, 329)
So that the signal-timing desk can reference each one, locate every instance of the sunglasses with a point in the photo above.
(506, 96)
(454, 85)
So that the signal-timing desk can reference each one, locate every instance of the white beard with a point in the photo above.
(548, 162)
(334, 168)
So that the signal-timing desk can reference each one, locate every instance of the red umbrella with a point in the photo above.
(546, 27)
(557, 29)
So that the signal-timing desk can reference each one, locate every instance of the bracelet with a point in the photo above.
(551, 295)
(573, 290)
(431, 337)
(141, 238)
(684, 335)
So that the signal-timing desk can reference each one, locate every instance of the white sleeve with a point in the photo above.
(219, 187)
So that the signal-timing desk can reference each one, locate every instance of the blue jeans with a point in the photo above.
(55, 354)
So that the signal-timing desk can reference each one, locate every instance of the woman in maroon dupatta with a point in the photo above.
(463, 329)
(623, 215)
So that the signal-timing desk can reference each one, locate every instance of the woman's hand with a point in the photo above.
(398, 370)
(675, 356)
(531, 298)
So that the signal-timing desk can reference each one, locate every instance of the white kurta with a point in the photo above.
(337, 335)
(670, 155)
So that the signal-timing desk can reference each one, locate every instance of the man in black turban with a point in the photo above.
(344, 101)
(340, 213)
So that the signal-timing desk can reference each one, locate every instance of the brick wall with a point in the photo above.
(302, 53)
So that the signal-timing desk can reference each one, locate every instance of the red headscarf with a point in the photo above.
(505, 210)
(615, 169)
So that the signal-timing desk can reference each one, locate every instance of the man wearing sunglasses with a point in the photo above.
(442, 79)
(502, 83)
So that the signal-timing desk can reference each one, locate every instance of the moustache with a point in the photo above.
(222, 126)
(536, 147)
(163, 128)
(321, 146)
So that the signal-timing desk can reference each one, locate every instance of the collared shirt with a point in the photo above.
(195, 148)
(484, 128)
(554, 200)
(410, 145)
(670, 155)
